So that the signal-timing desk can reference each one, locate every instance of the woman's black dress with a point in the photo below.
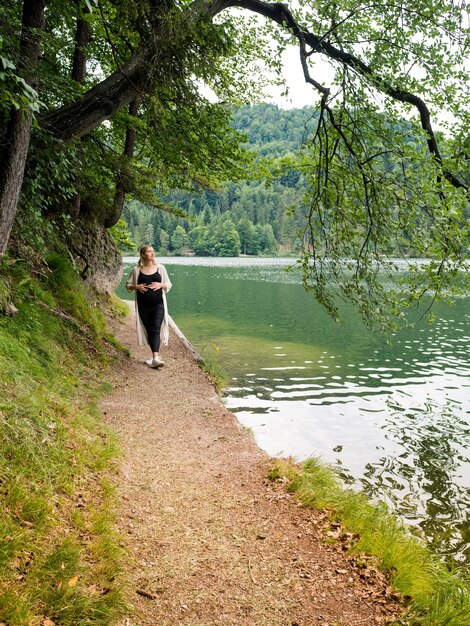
(151, 310)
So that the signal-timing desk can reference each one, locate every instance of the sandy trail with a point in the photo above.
(210, 540)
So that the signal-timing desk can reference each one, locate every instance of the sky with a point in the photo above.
(300, 93)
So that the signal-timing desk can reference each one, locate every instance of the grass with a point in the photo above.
(212, 367)
(435, 594)
(59, 553)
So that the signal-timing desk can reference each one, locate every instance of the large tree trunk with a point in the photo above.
(82, 40)
(11, 176)
(122, 184)
(19, 128)
(97, 258)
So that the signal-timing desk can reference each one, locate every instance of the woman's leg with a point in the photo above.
(152, 318)
(155, 320)
(147, 316)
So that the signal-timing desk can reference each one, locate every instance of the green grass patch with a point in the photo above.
(436, 595)
(212, 367)
(59, 553)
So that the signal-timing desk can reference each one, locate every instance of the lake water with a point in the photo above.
(393, 419)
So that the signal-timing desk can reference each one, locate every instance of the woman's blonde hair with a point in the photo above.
(142, 251)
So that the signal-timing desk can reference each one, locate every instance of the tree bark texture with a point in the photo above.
(82, 40)
(122, 185)
(98, 260)
(19, 128)
(102, 101)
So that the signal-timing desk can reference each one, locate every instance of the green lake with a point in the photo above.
(393, 419)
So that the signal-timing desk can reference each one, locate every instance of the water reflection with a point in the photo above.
(424, 481)
(394, 418)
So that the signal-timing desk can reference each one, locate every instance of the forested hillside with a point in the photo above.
(252, 216)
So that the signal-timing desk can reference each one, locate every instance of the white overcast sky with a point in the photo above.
(300, 93)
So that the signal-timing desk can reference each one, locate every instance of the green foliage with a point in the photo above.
(48, 188)
(14, 91)
(228, 240)
(59, 554)
(164, 240)
(437, 595)
(200, 239)
(179, 239)
(380, 186)
(376, 197)
(375, 186)
(71, 296)
(182, 140)
(121, 236)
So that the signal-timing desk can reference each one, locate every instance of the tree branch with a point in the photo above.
(281, 14)
(138, 75)
(101, 101)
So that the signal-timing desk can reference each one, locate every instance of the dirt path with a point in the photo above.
(210, 541)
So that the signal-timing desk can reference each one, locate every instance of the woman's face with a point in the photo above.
(149, 255)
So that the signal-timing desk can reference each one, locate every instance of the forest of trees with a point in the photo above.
(262, 215)
(252, 217)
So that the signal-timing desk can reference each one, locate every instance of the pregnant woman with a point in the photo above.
(150, 281)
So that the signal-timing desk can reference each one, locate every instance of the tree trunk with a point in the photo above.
(99, 103)
(19, 128)
(82, 40)
(11, 177)
(122, 186)
(96, 256)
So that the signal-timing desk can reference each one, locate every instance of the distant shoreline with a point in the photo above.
(217, 260)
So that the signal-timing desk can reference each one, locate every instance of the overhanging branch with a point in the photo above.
(138, 75)
(282, 15)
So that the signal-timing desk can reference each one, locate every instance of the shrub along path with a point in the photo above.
(210, 540)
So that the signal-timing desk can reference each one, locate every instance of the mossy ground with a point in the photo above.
(59, 555)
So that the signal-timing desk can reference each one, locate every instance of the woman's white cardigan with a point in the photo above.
(132, 281)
